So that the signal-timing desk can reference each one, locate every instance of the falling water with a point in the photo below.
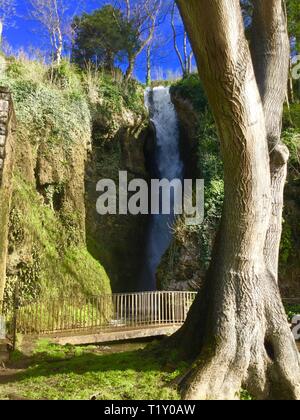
(167, 164)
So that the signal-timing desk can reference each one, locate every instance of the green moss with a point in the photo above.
(56, 264)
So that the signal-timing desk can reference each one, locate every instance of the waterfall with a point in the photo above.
(167, 164)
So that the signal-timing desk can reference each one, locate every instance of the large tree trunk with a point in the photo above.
(237, 329)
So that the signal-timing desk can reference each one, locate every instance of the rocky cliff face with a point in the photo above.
(47, 253)
(64, 143)
(117, 240)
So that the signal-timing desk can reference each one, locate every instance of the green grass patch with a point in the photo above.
(69, 373)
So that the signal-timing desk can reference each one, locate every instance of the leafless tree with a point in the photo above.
(144, 15)
(55, 17)
(187, 58)
(7, 11)
(155, 54)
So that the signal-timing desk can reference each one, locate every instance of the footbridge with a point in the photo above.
(105, 318)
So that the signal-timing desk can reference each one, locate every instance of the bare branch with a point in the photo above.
(175, 38)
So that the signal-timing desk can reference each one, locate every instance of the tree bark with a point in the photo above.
(58, 34)
(59, 48)
(271, 55)
(148, 72)
(1, 34)
(237, 329)
(175, 39)
(290, 87)
(130, 68)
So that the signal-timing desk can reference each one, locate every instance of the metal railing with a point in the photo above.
(116, 311)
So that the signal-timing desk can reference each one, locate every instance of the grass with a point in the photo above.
(69, 373)
(55, 372)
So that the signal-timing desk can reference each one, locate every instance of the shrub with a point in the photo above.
(65, 76)
(191, 88)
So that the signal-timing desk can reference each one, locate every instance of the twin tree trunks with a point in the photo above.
(237, 330)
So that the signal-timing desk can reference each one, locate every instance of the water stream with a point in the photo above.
(166, 164)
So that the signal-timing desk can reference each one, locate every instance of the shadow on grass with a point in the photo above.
(65, 360)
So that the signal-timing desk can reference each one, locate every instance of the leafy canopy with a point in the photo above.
(103, 37)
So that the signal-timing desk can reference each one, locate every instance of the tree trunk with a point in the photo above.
(237, 329)
(175, 39)
(271, 56)
(109, 62)
(59, 48)
(148, 73)
(185, 53)
(290, 87)
(191, 62)
(291, 93)
(58, 35)
(1, 34)
(130, 68)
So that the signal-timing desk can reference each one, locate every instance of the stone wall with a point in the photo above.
(7, 128)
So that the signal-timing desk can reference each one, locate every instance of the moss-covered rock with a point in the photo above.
(117, 240)
(47, 252)
(73, 128)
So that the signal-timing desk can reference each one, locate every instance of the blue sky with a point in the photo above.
(25, 34)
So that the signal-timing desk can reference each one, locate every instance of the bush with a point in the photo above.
(66, 76)
(50, 113)
(191, 88)
(209, 158)
(292, 310)
(291, 138)
(25, 69)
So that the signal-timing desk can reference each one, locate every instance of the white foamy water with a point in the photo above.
(168, 165)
